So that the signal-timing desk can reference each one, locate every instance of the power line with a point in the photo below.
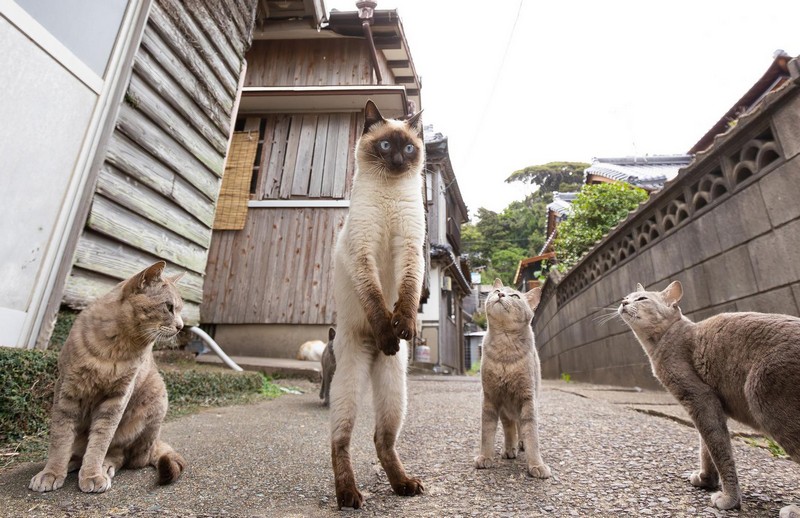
(496, 79)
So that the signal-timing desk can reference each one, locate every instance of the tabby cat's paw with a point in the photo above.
(94, 483)
(483, 462)
(510, 454)
(723, 500)
(790, 511)
(349, 497)
(404, 326)
(409, 487)
(704, 480)
(46, 481)
(540, 471)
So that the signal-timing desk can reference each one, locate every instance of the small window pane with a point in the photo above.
(88, 28)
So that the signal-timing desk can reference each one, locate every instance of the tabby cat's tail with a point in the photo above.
(169, 463)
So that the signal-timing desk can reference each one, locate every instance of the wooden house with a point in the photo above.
(269, 279)
(114, 129)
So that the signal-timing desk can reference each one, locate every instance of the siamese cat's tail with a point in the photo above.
(169, 463)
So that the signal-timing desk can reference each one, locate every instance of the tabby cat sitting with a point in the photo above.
(110, 399)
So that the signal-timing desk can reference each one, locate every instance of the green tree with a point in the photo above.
(551, 177)
(596, 209)
(498, 240)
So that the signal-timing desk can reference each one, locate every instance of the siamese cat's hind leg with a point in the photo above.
(388, 375)
(351, 368)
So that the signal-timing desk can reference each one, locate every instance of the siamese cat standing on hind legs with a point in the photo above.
(378, 261)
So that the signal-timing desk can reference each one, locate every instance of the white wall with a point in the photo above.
(430, 310)
(44, 115)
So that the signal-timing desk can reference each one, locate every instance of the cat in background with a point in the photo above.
(511, 378)
(378, 271)
(328, 369)
(741, 365)
(110, 399)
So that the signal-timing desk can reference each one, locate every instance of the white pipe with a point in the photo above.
(216, 348)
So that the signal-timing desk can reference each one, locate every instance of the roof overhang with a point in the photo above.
(391, 99)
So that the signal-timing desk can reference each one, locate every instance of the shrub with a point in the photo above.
(27, 381)
(596, 209)
(28, 377)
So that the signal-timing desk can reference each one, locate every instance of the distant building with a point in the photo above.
(647, 172)
(442, 313)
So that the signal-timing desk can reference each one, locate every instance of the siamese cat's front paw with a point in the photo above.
(704, 480)
(46, 481)
(404, 326)
(94, 482)
(540, 471)
(388, 344)
(723, 500)
(483, 462)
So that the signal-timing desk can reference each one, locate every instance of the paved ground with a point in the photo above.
(272, 459)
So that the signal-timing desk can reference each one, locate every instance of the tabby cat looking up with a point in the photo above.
(511, 378)
(110, 399)
(378, 269)
(742, 365)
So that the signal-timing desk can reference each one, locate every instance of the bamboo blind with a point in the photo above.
(235, 191)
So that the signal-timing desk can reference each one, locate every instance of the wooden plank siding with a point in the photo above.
(306, 156)
(158, 184)
(330, 62)
(276, 270)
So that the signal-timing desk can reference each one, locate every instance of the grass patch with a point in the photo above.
(566, 378)
(768, 444)
(475, 369)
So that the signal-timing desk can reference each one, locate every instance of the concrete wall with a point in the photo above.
(728, 228)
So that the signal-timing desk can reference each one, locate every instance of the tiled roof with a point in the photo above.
(562, 203)
(649, 172)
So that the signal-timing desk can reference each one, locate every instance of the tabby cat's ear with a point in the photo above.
(175, 278)
(533, 297)
(672, 294)
(415, 122)
(497, 284)
(149, 275)
(372, 115)
(639, 286)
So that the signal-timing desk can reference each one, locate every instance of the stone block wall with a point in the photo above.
(728, 228)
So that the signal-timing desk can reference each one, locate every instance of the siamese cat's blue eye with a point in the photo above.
(384, 144)
(409, 148)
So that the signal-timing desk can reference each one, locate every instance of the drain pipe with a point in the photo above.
(366, 8)
(216, 348)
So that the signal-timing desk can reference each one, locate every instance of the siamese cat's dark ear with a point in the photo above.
(639, 287)
(372, 115)
(672, 294)
(533, 297)
(497, 284)
(415, 122)
(150, 275)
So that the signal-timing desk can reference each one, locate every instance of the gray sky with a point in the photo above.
(522, 82)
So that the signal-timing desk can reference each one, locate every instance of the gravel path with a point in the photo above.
(272, 459)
